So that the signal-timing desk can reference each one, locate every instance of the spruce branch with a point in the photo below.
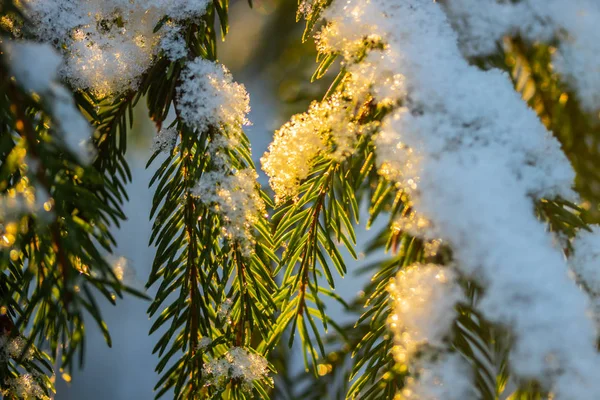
(56, 213)
(475, 338)
(221, 278)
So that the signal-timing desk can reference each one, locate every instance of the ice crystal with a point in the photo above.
(25, 387)
(204, 343)
(413, 224)
(165, 140)
(173, 42)
(208, 96)
(13, 348)
(432, 247)
(238, 363)
(224, 310)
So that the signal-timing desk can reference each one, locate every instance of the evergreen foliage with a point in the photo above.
(242, 275)
(56, 217)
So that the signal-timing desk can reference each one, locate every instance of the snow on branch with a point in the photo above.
(424, 299)
(572, 24)
(35, 67)
(236, 198)
(209, 98)
(473, 158)
(109, 44)
(443, 377)
(238, 363)
(585, 261)
(325, 129)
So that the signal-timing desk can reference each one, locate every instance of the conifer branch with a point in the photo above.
(561, 215)
(222, 276)
(56, 212)
(482, 232)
